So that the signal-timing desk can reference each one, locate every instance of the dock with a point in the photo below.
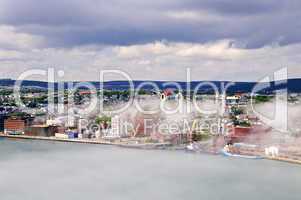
(89, 141)
(85, 141)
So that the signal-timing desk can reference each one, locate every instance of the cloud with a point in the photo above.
(215, 50)
(11, 39)
(217, 39)
(198, 16)
(161, 60)
(73, 22)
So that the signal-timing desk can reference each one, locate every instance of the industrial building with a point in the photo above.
(2, 119)
(14, 126)
(41, 130)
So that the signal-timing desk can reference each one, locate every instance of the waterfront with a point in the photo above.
(53, 170)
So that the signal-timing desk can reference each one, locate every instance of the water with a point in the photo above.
(51, 170)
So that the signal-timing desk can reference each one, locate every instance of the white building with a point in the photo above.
(114, 132)
(115, 124)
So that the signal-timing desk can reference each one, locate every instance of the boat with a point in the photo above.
(224, 152)
(198, 148)
(145, 145)
(245, 145)
(191, 147)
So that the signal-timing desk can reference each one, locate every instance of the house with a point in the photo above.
(170, 94)
(232, 100)
(86, 92)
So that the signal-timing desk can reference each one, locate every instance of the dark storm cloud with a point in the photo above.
(117, 22)
(237, 7)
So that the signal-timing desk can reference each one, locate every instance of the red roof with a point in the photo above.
(168, 92)
(86, 92)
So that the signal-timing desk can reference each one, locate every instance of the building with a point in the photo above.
(241, 133)
(2, 119)
(232, 100)
(115, 125)
(14, 126)
(41, 130)
(87, 92)
(174, 139)
(114, 131)
(72, 134)
(170, 94)
(61, 135)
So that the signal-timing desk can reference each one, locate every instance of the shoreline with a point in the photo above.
(25, 137)
(88, 141)
(149, 146)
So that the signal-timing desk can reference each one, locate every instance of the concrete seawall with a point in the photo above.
(284, 159)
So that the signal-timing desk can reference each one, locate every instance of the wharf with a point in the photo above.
(86, 141)
(119, 143)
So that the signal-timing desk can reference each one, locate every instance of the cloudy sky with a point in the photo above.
(154, 40)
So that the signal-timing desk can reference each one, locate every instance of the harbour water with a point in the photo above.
(54, 170)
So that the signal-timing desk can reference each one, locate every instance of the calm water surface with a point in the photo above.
(51, 170)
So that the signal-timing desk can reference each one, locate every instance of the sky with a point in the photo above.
(151, 40)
